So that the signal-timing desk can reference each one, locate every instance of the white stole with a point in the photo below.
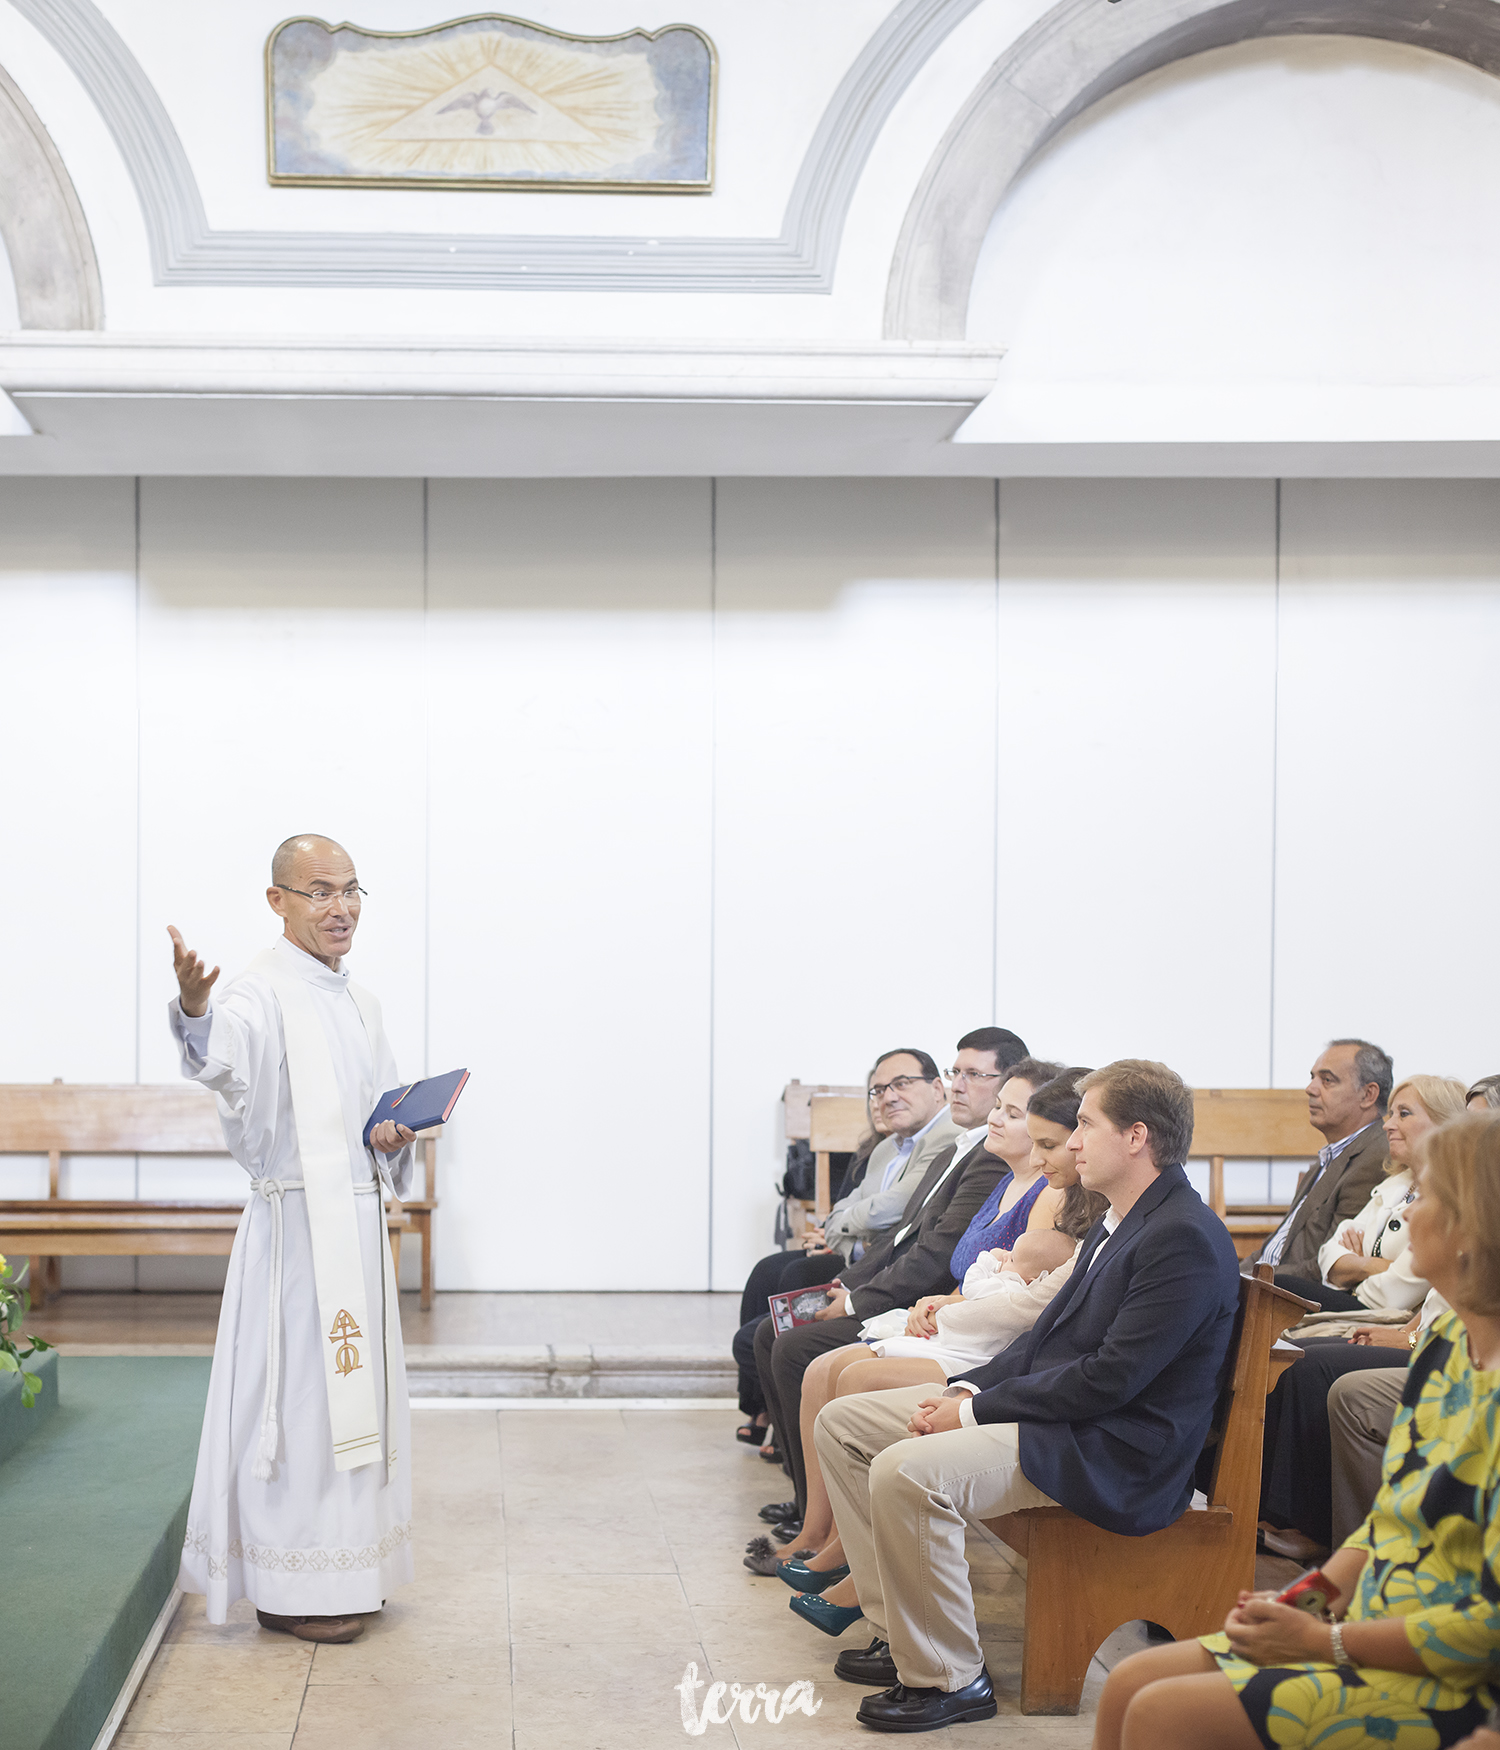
(338, 1263)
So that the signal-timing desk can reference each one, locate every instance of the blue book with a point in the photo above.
(421, 1105)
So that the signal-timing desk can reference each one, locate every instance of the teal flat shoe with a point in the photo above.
(802, 1578)
(833, 1619)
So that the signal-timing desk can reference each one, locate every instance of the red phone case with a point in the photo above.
(1313, 1592)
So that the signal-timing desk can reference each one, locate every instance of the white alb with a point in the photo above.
(310, 1539)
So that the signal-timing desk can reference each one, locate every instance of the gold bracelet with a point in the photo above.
(1336, 1635)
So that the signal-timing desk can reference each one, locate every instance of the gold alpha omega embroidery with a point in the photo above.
(344, 1328)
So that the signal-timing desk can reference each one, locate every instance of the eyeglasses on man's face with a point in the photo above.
(324, 897)
(897, 1085)
(974, 1075)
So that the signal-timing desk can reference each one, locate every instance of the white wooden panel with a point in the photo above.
(571, 721)
(854, 852)
(67, 720)
(1388, 839)
(281, 692)
(281, 687)
(1138, 692)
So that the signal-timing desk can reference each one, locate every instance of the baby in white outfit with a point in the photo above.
(1003, 1296)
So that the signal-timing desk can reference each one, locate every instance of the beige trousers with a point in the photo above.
(900, 1501)
(1361, 1408)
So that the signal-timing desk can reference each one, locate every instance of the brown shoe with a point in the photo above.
(332, 1631)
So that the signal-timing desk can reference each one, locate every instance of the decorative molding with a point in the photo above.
(1079, 53)
(187, 251)
(41, 221)
(255, 366)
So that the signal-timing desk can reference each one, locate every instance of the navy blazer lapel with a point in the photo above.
(1166, 1181)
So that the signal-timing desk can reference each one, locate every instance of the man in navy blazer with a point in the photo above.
(1102, 1407)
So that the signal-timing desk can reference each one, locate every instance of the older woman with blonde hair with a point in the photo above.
(1408, 1655)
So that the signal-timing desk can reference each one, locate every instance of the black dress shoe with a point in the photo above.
(785, 1533)
(923, 1710)
(778, 1512)
(872, 1664)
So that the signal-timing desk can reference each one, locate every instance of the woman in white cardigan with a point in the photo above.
(1365, 1266)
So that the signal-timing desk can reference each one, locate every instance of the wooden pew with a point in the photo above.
(1082, 1583)
(1250, 1124)
(59, 1118)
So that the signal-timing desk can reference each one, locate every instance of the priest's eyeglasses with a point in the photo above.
(322, 899)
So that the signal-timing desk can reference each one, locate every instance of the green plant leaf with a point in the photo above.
(30, 1388)
(38, 1344)
(8, 1362)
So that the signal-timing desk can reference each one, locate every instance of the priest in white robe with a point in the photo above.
(302, 1496)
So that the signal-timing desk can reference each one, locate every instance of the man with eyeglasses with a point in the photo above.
(302, 1496)
(937, 1202)
(907, 1089)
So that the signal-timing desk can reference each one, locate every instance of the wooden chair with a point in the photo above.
(420, 1210)
(59, 1118)
(796, 1101)
(837, 1125)
(1082, 1583)
(1250, 1124)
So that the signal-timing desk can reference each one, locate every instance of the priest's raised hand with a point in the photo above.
(192, 981)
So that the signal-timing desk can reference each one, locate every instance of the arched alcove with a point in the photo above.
(1280, 235)
(46, 236)
(1077, 54)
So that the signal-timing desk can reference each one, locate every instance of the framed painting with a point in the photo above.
(490, 102)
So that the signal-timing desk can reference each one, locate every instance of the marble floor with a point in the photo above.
(189, 1320)
(571, 1564)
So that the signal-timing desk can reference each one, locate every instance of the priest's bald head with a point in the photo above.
(316, 894)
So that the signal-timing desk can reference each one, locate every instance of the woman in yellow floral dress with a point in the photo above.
(1412, 1660)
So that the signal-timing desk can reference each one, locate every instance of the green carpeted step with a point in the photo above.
(92, 1512)
(17, 1425)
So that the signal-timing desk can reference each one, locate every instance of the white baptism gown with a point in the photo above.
(998, 1305)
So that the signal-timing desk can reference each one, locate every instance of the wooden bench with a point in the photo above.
(1250, 1124)
(1082, 1583)
(60, 1118)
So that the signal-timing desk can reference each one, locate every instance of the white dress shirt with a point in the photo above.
(961, 1145)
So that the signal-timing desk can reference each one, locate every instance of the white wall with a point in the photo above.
(668, 791)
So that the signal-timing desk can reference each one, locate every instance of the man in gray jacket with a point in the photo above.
(907, 1088)
(1346, 1100)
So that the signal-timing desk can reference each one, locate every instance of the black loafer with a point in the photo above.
(785, 1533)
(923, 1710)
(778, 1512)
(872, 1664)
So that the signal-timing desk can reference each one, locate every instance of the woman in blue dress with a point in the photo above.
(1413, 1647)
